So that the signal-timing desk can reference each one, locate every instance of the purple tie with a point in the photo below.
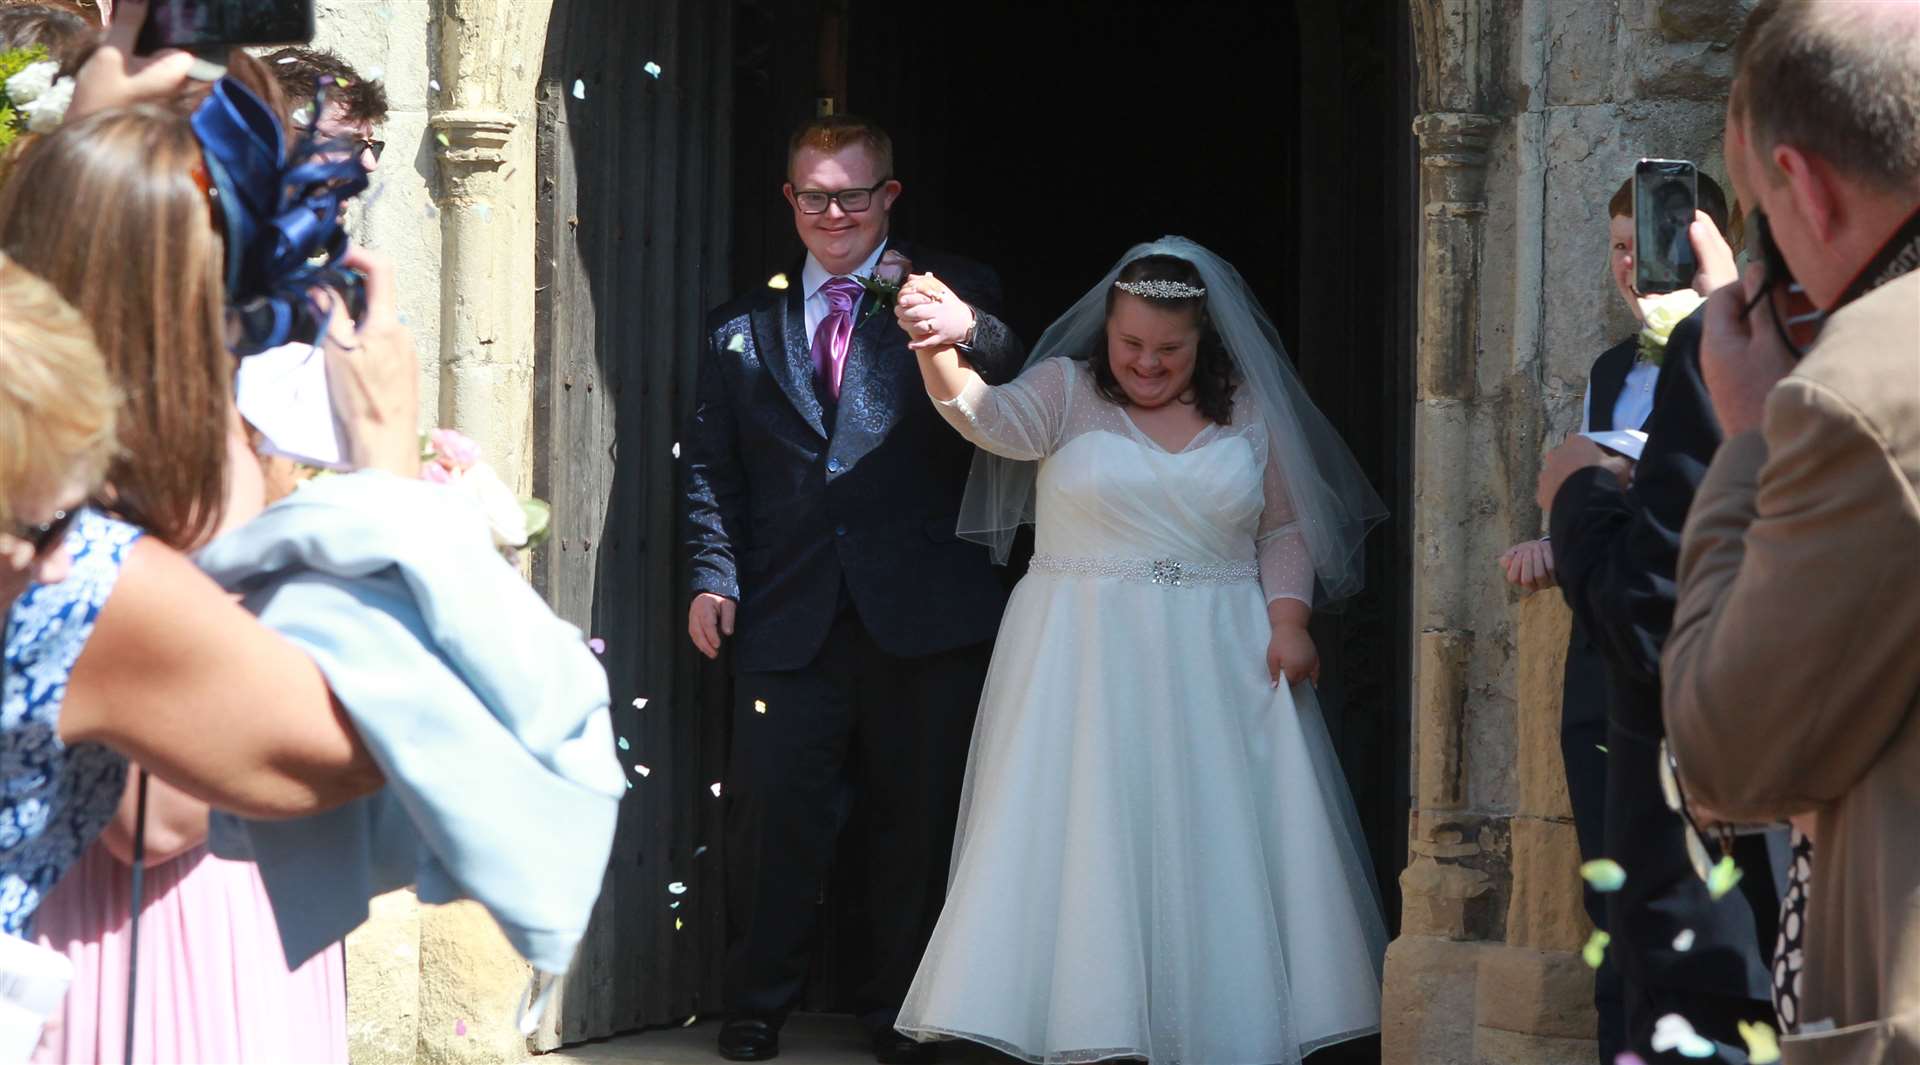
(836, 331)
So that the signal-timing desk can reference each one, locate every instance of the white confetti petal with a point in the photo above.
(676, 449)
(674, 905)
(1673, 1032)
(676, 888)
(716, 789)
(579, 89)
(737, 343)
(1684, 941)
(690, 1020)
(652, 68)
(639, 704)
(759, 706)
(289, 59)
(777, 282)
(643, 770)
(434, 85)
(698, 851)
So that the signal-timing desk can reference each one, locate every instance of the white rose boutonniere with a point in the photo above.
(33, 82)
(453, 459)
(45, 114)
(1663, 312)
(884, 284)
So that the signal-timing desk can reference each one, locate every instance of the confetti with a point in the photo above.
(716, 789)
(289, 59)
(597, 645)
(677, 926)
(1684, 941)
(1601, 747)
(676, 888)
(434, 85)
(629, 785)
(737, 343)
(1628, 1057)
(1722, 878)
(759, 706)
(652, 68)
(674, 905)
(459, 1028)
(643, 770)
(1595, 951)
(639, 704)
(690, 1020)
(1604, 874)
(698, 851)
(623, 743)
(777, 282)
(579, 89)
(676, 449)
(1672, 1032)
(442, 138)
(1763, 1044)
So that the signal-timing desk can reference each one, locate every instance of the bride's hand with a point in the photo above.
(932, 316)
(1291, 653)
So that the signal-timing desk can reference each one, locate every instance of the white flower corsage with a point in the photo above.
(39, 94)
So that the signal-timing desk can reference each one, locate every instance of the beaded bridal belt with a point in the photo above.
(1158, 571)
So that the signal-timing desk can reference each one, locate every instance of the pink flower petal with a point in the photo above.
(597, 645)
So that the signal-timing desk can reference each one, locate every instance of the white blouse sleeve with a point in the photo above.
(1286, 566)
(1022, 419)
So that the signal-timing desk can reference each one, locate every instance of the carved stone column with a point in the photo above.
(1453, 178)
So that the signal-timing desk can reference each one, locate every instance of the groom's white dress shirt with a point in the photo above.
(813, 276)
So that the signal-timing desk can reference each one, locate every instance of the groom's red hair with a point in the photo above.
(830, 133)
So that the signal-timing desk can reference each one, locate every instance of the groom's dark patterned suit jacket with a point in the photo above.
(792, 498)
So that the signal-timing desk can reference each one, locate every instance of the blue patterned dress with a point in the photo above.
(54, 799)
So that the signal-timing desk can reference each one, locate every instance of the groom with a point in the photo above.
(823, 492)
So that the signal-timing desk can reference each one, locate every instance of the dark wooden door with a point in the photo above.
(634, 239)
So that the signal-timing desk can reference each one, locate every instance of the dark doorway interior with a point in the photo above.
(1043, 139)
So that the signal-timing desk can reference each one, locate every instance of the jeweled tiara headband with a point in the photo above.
(1161, 290)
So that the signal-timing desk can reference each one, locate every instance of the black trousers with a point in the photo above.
(1583, 732)
(855, 726)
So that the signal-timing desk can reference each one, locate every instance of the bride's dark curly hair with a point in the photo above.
(1213, 377)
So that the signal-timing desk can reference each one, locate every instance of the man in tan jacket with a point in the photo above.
(1792, 677)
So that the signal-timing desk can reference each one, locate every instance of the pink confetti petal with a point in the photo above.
(459, 1028)
(597, 645)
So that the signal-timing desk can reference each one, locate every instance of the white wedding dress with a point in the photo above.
(1157, 855)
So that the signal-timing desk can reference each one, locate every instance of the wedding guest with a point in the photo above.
(55, 28)
(822, 496)
(356, 106)
(1793, 678)
(1615, 528)
(1619, 395)
(1158, 856)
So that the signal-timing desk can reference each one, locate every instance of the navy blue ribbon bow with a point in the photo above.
(280, 211)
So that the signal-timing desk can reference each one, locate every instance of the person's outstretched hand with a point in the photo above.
(115, 77)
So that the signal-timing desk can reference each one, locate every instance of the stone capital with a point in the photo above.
(1455, 138)
(473, 140)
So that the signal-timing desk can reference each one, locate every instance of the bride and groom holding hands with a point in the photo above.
(1105, 819)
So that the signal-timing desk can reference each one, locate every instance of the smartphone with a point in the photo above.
(1666, 192)
(217, 25)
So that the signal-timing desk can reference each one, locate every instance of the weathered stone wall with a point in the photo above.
(453, 204)
(1533, 112)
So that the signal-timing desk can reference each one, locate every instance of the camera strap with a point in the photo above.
(139, 889)
(1899, 256)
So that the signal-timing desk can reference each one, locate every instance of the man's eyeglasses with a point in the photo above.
(852, 201)
(368, 144)
(49, 534)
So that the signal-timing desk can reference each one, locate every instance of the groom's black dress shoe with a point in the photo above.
(749, 1039)
(892, 1048)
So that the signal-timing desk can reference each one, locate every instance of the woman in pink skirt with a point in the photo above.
(213, 980)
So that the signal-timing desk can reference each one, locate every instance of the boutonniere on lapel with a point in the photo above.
(1662, 313)
(889, 274)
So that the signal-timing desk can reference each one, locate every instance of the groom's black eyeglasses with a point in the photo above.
(852, 201)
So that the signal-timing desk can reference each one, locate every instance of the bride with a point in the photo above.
(1157, 854)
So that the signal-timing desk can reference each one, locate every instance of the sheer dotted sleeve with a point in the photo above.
(1023, 419)
(1286, 566)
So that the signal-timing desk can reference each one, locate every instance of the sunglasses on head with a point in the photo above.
(49, 534)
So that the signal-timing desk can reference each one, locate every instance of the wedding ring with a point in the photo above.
(926, 327)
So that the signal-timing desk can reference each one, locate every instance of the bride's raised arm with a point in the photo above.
(1019, 420)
